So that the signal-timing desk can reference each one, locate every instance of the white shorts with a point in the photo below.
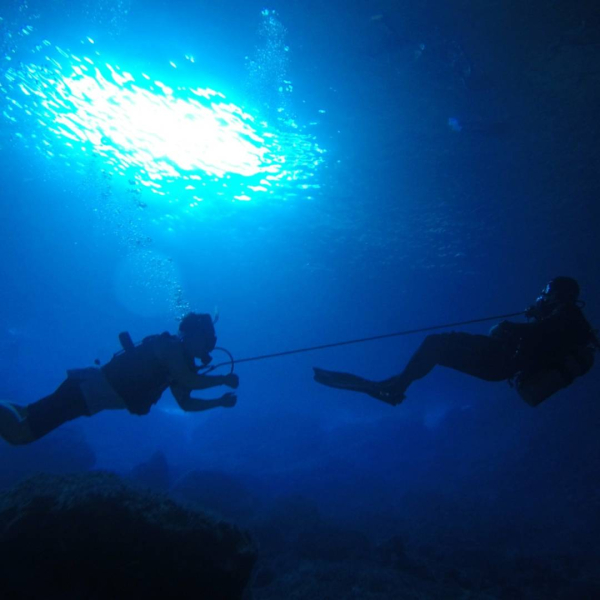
(97, 392)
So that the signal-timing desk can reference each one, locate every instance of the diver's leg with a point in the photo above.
(476, 355)
(65, 404)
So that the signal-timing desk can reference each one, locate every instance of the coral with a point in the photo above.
(94, 536)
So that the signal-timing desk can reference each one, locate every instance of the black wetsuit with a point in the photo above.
(515, 347)
(64, 404)
(136, 375)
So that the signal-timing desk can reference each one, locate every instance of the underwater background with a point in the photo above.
(393, 165)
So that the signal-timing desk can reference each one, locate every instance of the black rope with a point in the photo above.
(370, 339)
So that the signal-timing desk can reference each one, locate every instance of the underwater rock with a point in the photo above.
(264, 577)
(295, 528)
(392, 552)
(327, 542)
(153, 473)
(294, 513)
(216, 492)
(64, 451)
(281, 526)
(94, 536)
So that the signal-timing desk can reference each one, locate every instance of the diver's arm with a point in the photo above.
(189, 404)
(171, 354)
(204, 382)
(508, 330)
(552, 324)
(561, 325)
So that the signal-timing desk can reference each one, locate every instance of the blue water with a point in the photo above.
(436, 163)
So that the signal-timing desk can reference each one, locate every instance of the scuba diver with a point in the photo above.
(134, 379)
(539, 357)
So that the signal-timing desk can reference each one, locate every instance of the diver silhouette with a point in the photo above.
(134, 379)
(540, 357)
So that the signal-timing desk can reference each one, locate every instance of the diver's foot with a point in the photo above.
(389, 396)
(13, 424)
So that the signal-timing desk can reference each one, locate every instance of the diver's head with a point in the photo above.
(197, 331)
(560, 291)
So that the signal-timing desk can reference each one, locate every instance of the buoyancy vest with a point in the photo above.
(553, 352)
(552, 339)
(537, 385)
(137, 375)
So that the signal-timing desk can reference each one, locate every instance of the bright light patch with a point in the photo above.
(170, 139)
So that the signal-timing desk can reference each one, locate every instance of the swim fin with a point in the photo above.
(347, 381)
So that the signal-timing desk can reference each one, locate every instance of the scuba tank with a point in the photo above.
(126, 341)
(536, 386)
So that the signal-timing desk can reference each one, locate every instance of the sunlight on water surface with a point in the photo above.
(180, 142)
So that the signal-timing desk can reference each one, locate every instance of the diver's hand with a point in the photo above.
(503, 330)
(531, 312)
(228, 400)
(231, 380)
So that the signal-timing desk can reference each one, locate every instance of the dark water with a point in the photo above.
(408, 223)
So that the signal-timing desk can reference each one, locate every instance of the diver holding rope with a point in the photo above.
(539, 358)
(134, 379)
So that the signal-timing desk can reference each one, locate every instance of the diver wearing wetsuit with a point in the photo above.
(558, 340)
(134, 379)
